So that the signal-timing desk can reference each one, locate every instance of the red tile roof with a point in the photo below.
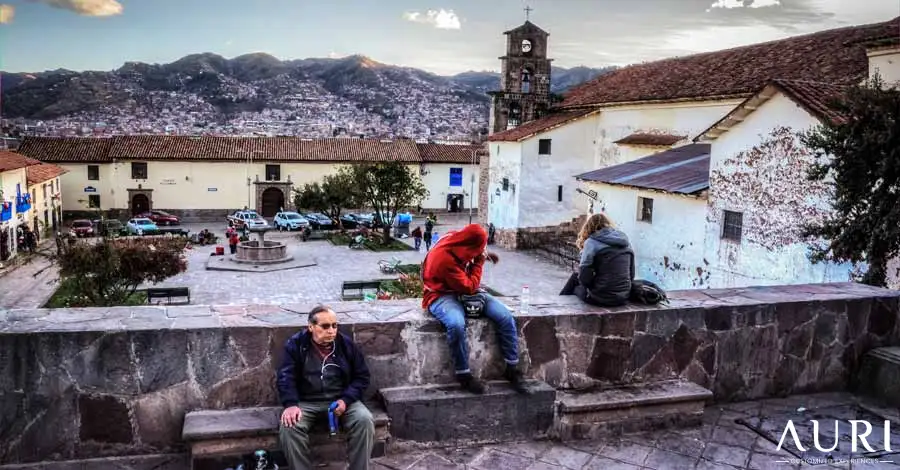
(682, 170)
(14, 161)
(643, 138)
(539, 125)
(441, 153)
(827, 56)
(816, 98)
(43, 172)
(212, 148)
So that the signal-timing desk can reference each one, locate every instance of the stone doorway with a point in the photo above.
(140, 203)
(272, 202)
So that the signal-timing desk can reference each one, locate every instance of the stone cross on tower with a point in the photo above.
(528, 11)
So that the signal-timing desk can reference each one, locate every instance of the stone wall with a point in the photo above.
(81, 383)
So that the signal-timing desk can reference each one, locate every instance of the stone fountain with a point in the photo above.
(260, 251)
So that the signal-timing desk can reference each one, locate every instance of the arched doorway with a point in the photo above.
(272, 202)
(140, 204)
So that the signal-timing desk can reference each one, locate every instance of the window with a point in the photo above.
(544, 147)
(44, 191)
(93, 172)
(456, 178)
(138, 170)
(273, 172)
(94, 201)
(733, 225)
(526, 81)
(645, 209)
(506, 184)
(515, 116)
(559, 193)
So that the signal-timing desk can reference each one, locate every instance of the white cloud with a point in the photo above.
(6, 13)
(441, 19)
(744, 4)
(87, 7)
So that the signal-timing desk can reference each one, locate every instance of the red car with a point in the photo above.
(82, 228)
(161, 218)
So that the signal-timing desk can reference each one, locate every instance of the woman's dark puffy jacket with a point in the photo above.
(606, 269)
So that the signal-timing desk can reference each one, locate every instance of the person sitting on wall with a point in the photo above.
(322, 366)
(452, 268)
(606, 269)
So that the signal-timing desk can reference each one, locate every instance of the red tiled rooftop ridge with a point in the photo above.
(214, 148)
(832, 56)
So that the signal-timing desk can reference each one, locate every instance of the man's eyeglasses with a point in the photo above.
(327, 326)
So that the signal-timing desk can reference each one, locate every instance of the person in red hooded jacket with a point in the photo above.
(452, 268)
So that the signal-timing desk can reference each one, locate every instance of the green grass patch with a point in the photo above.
(67, 296)
(343, 239)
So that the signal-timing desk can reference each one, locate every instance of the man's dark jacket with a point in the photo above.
(346, 355)
(606, 269)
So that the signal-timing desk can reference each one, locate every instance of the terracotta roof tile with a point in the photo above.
(14, 161)
(827, 56)
(212, 148)
(43, 172)
(67, 149)
(531, 128)
(818, 98)
(642, 138)
(441, 153)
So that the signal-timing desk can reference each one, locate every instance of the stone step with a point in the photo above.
(219, 438)
(446, 413)
(639, 407)
(879, 375)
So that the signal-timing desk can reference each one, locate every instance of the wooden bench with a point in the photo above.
(356, 290)
(217, 437)
(167, 293)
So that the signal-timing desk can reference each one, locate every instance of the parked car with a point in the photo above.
(247, 218)
(82, 228)
(290, 221)
(319, 221)
(141, 226)
(350, 221)
(161, 217)
(110, 227)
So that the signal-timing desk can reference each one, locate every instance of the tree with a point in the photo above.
(331, 197)
(387, 188)
(860, 153)
(109, 271)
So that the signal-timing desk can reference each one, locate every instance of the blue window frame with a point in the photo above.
(456, 177)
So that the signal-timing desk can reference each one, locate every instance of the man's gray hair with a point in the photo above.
(317, 310)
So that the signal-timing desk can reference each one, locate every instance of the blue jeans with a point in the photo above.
(449, 311)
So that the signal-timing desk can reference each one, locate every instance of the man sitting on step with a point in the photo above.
(321, 367)
(452, 268)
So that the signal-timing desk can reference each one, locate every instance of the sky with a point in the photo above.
(441, 36)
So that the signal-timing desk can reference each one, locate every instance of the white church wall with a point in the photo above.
(668, 249)
(758, 168)
(505, 179)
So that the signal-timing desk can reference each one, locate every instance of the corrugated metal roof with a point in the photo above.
(683, 170)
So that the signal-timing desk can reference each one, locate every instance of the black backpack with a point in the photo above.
(646, 292)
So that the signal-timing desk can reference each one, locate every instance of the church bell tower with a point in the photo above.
(524, 79)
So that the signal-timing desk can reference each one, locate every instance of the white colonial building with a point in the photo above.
(742, 108)
(207, 177)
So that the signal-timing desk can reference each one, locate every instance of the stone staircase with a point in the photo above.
(879, 375)
(445, 415)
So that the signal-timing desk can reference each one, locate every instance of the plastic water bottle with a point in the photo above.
(524, 300)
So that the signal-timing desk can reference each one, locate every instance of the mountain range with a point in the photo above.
(210, 87)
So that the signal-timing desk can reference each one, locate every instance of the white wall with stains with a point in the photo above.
(505, 164)
(886, 63)
(759, 168)
(668, 249)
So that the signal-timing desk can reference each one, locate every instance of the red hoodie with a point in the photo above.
(444, 273)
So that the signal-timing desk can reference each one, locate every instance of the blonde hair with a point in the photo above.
(595, 222)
